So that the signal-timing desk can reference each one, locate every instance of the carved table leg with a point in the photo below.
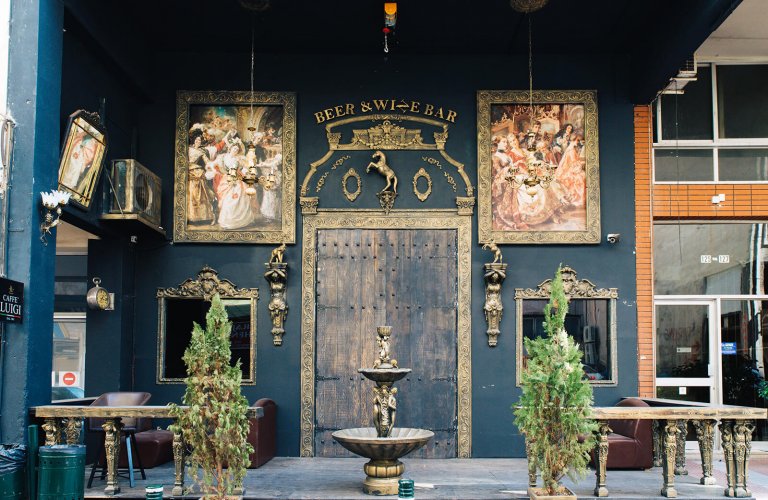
(726, 436)
(602, 458)
(657, 443)
(112, 429)
(52, 428)
(671, 429)
(742, 433)
(680, 469)
(74, 425)
(178, 460)
(531, 465)
(705, 432)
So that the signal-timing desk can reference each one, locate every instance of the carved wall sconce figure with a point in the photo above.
(495, 274)
(422, 195)
(386, 197)
(277, 276)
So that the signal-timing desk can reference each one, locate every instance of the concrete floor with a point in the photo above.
(479, 478)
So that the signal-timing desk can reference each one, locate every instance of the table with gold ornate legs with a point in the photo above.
(69, 421)
(670, 425)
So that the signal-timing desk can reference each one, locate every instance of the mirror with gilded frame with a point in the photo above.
(591, 320)
(179, 307)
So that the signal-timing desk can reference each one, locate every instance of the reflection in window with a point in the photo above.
(709, 259)
(742, 103)
(586, 322)
(688, 116)
(68, 369)
(682, 341)
(180, 314)
(743, 164)
(684, 165)
(591, 321)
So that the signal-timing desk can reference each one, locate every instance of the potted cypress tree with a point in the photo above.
(554, 410)
(215, 421)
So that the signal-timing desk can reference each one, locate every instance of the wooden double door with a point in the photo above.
(400, 277)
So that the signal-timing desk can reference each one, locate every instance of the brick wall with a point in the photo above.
(694, 201)
(644, 251)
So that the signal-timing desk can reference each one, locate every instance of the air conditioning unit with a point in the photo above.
(133, 192)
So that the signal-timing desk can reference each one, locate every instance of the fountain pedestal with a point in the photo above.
(383, 444)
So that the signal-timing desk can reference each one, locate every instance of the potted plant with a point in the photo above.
(554, 410)
(214, 421)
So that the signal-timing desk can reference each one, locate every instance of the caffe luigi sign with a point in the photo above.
(11, 300)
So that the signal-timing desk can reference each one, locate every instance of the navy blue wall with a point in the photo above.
(448, 81)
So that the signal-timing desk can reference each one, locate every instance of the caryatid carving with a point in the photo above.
(277, 276)
(495, 274)
(384, 409)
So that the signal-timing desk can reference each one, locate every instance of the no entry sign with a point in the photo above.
(68, 379)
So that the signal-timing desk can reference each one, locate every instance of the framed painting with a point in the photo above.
(235, 167)
(82, 157)
(538, 167)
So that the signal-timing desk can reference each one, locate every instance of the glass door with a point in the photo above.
(685, 369)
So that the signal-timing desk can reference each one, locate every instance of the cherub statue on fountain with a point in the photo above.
(383, 342)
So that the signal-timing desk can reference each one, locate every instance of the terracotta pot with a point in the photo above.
(540, 494)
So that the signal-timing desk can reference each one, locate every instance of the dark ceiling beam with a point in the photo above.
(674, 34)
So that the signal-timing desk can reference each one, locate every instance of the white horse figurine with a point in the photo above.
(380, 165)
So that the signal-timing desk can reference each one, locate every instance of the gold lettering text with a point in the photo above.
(451, 116)
(415, 106)
(428, 110)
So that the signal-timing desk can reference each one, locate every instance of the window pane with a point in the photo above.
(68, 359)
(743, 164)
(742, 101)
(692, 109)
(587, 322)
(709, 259)
(682, 341)
(673, 165)
(694, 394)
(743, 354)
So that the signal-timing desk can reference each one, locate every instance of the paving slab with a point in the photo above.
(460, 479)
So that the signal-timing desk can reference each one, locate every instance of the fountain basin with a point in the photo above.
(384, 375)
(384, 469)
(363, 441)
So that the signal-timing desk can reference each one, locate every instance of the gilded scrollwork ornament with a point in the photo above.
(422, 195)
(351, 196)
(495, 274)
(277, 276)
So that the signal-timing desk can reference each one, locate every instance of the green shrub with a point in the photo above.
(215, 421)
(555, 407)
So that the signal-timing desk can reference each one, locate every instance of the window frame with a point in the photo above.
(714, 144)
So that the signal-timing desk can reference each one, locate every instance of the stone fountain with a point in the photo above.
(383, 444)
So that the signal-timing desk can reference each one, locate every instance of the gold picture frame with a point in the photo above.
(549, 193)
(198, 292)
(219, 135)
(82, 157)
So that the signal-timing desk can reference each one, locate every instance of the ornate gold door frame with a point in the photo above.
(374, 219)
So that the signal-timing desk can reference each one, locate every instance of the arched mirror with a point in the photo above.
(591, 321)
(180, 307)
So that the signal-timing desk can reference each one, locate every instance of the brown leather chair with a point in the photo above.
(130, 427)
(630, 445)
(263, 434)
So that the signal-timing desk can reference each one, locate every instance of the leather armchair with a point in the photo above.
(263, 434)
(630, 445)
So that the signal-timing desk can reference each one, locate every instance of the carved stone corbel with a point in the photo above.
(495, 274)
(308, 204)
(277, 276)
